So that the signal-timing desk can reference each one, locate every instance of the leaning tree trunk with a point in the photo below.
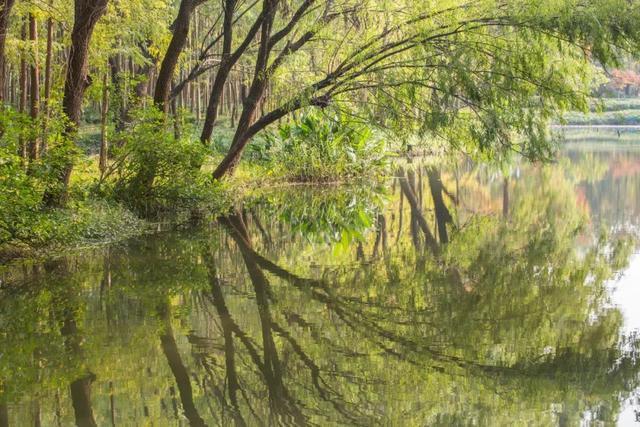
(222, 74)
(180, 30)
(250, 106)
(87, 14)
(4, 26)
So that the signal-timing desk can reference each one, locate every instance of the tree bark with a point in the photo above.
(34, 144)
(4, 27)
(47, 84)
(180, 29)
(256, 91)
(22, 107)
(222, 74)
(104, 111)
(87, 13)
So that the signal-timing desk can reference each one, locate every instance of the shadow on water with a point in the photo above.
(459, 295)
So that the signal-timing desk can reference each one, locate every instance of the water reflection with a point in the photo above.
(454, 296)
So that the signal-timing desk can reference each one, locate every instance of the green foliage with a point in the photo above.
(24, 222)
(617, 117)
(22, 181)
(324, 148)
(615, 104)
(323, 215)
(20, 192)
(511, 318)
(177, 184)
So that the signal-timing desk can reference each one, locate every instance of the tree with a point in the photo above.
(448, 69)
(77, 79)
(5, 13)
(180, 30)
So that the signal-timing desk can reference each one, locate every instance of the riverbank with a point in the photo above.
(607, 112)
(89, 221)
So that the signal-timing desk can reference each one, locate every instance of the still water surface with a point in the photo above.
(457, 295)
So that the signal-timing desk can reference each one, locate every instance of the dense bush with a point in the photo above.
(25, 223)
(149, 147)
(323, 148)
(20, 189)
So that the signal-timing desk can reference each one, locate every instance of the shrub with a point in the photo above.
(20, 192)
(323, 148)
(178, 183)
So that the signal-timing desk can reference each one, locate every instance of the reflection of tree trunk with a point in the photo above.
(263, 232)
(417, 212)
(81, 398)
(4, 414)
(505, 197)
(180, 373)
(443, 216)
(112, 405)
(381, 235)
(280, 401)
(229, 350)
(80, 388)
(36, 414)
(400, 216)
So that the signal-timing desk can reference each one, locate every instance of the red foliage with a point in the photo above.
(625, 80)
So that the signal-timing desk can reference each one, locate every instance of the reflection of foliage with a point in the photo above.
(499, 321)
(322, 215)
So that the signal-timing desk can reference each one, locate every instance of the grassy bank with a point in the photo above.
(82, 224)
(111, 205)
(611, 112)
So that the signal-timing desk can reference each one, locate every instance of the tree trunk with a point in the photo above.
(22, 107)
(4, 27)
(143, 181)
(221, 75)
(180, 29)
(214, 103)
(104, 144)
(34, 144)
(87, 14)
(256, 91)
(47, 83)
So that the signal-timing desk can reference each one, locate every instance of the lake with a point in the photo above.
(455, 294)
